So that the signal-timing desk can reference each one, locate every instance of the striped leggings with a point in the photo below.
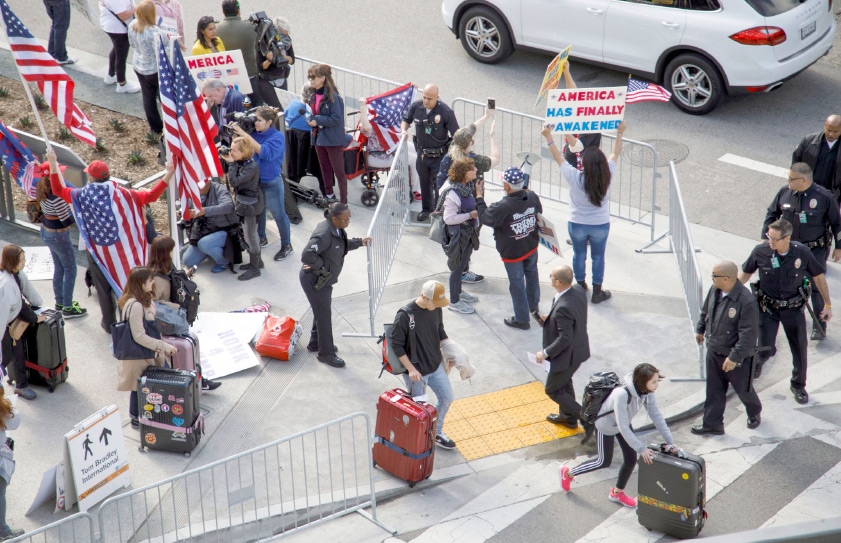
(605, 457)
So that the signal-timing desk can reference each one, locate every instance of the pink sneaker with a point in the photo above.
(566, 478)
(621, 497)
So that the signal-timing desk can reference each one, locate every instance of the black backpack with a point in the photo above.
(184, 292)
(596, 392)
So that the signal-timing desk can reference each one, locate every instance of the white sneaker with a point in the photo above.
(67, 61)
(110, 79)
(128, 88)
(462, 307)
(467, 297)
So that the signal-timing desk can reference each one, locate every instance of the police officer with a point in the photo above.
(435, 124)
(730, 321)
(813, 213)
(322, 261)
(783, 266)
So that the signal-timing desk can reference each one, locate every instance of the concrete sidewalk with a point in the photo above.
(646, 320)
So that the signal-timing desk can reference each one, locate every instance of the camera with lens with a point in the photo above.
(269, 38)
(243, 119)
(223, 150)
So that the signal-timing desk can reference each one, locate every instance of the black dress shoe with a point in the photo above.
(333, 361)
(536, 316)
(514, 323)
(314, 348)
(753, 422)
(702, 430)
(817, 335)
(800, 395)
(555, 418)
(423, 216)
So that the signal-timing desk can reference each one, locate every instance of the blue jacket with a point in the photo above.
(331, 122)
(270, 157)
(294, 119)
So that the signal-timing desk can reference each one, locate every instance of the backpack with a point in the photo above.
(184, 292)
(596, 392)
(391, 363)
(33, 211)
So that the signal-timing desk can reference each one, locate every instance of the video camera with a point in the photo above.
(269, 38)
(245, 119)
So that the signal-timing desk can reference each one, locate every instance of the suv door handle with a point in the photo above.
(595, 11)
(667, 24)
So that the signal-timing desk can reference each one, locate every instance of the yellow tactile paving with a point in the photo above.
(502, 421)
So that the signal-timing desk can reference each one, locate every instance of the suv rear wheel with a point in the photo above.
(695, 84)
(484, 35)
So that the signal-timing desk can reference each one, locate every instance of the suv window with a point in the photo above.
(704, 5)
(769, 8)
(664, 3)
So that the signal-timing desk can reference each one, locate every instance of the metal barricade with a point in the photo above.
(258, 495)
(386, 230)
(78, 528)
(680, 242)
(633, 189)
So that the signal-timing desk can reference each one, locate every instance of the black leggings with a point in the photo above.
(149, 90)
(118, 55)
(605, 457)
(13, 356)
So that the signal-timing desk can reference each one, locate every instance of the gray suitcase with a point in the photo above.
(672, 494)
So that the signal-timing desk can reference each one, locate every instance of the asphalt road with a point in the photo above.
(408, 41)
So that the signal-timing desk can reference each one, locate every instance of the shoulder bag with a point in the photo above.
(123, 345)
(17, 328)
(171, 322)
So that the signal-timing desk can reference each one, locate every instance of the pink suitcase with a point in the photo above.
(187, 357)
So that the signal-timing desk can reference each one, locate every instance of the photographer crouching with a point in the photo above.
(209, 228)
(274, 55)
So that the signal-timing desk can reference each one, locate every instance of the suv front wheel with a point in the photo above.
(695, 84)
(484, 35)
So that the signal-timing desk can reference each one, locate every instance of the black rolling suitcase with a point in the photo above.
(168, 403)
(672, 494)
(45, 352)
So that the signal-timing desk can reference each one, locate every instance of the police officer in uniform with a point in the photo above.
(730, 321)
(322, 261)
(783, 266)
(435, 124)
(813, 213)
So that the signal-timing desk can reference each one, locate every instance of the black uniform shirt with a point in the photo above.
(782, 281)
(730, 322)
(810, 213)
(433, 129)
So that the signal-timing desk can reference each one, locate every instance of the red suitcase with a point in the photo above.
(404, 443)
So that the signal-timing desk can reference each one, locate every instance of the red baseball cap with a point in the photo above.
(44, 169)
(98, 170)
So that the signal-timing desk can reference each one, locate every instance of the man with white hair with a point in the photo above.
(222, 100)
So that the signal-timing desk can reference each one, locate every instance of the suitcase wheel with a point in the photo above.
(370, 198)
(412, 484)
(51, 389)
(186, 455)
(375, 463)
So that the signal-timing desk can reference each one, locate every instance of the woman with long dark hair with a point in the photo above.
(55, 233)
(206, 40)
(328, 127)
(136, 307)
(589, 195)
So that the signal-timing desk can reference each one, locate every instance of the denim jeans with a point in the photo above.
(273, 195)
(59, 13)
(64, 265)
(212, 245)
(439, 382)
(596, 236)
(524, 286)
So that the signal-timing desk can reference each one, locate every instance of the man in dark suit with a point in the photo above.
(822, 153)
(565, 345)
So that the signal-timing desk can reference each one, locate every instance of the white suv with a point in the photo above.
(698, 49)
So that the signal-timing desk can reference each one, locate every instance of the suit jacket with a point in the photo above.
(565, 331)
(807, 151)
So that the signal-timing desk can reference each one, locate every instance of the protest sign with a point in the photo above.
(227, 66)
(584, 111)
(39, 263)
(553, 74)
(224, 339)
(547, 235)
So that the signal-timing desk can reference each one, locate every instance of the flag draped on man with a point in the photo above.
(38, 66)
(189, 129)
(110, 223)
(19, 160)
(640, 91)
(385, 111)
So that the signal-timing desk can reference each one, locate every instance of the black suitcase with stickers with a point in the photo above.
(45, 351)
(168, 403)
(672, 493)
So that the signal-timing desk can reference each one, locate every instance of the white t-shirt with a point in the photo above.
(109, 22)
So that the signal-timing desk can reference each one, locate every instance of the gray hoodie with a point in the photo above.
(623, 413)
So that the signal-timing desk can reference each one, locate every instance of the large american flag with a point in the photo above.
(640, 91)
(19, 160)
(385, 111)
(189, 129)
(111, 225)
(38, 66)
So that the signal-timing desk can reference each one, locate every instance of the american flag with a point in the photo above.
(640, 91)
(385, 111)
(111, 225)
(38, 66)
(19, 160)
(189, 129)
